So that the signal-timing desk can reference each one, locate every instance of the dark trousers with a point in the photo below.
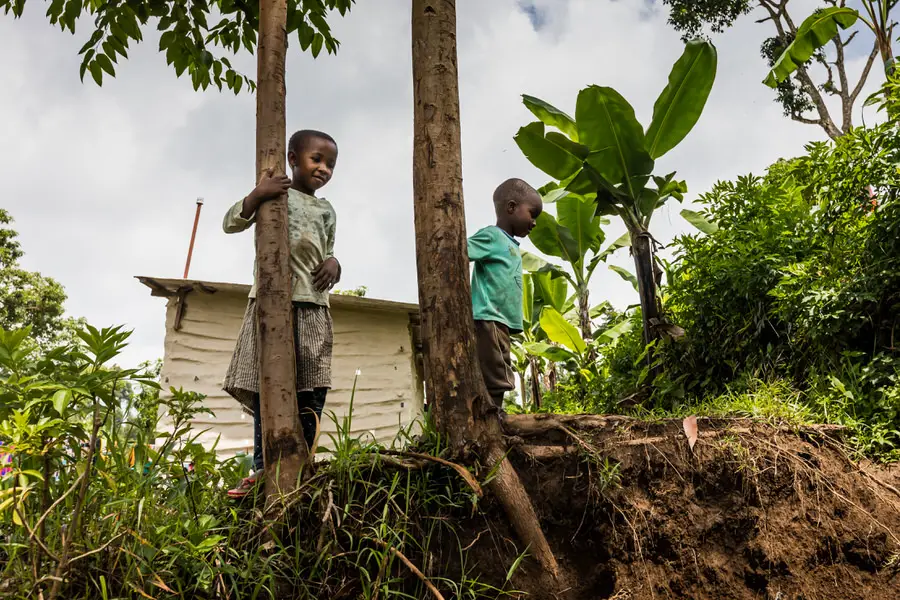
(310, 405)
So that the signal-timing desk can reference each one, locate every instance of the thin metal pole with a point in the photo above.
(187, 265)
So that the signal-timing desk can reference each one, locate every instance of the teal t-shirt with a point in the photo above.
(497, 278)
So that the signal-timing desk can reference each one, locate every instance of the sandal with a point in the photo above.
(246, 487)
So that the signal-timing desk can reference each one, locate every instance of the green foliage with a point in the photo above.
(816, 31)
(27, 298)
(191, 32)
(605, 158)
(798, 283)
(359, 292)
(691, 17)
(110, 495)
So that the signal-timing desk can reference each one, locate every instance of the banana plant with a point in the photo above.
(605, 156)
(576, 236)
(565, 345)
(539, 289)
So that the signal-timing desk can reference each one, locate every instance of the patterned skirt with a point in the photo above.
(313, 343)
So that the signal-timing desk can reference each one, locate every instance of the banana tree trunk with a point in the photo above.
(536, 390)
(455, 383)
(642, 250)
(584, 313)
(284, 449)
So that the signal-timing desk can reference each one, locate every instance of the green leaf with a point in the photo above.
(96, 72)
(553, 195)
(607, 125)
(561, 331)
(106, 64)
(699, 221)
(816, 31)
(669, 186)
(577, 215)
(552, 239)
(552, 116)
(551, 291)
(61, 400)
(626, 275)
(317, 42)
(544, 154)
(532, 262)
(616, 331)
(548, 351)
(568, 145)
(678, 108)
(527, 299)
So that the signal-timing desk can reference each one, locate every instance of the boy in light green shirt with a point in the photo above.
(497, 282)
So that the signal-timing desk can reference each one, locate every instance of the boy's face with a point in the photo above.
(313, 165)
(524, 213)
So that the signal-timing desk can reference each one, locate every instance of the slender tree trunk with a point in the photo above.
(584, 313)
(642, 250)
(284, 449)
(536, 391)
(523, 386)
(457, 392)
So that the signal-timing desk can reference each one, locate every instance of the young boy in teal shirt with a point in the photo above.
(497, 282)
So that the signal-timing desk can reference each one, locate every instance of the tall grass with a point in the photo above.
(134, 520)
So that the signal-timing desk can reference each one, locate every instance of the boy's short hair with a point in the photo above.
(511, 190)
(299, 140)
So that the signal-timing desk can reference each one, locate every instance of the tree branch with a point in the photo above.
(865, 74)
(802, 119)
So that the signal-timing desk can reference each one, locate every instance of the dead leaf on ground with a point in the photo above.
(691, 430)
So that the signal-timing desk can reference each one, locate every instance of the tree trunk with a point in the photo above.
(523, 386)
(459, 398)
(584, 313)
(536, 391)
(642, 250)
(284, 449)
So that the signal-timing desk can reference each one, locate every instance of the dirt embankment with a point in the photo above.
(753, 511)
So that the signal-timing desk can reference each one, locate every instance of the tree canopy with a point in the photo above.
(27, 298)
(194, 36)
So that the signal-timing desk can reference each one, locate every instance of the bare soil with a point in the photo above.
(753, 511)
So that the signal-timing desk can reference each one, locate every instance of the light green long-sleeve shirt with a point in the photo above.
(311, 228)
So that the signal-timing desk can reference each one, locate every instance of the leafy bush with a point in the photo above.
(109, 495)
(799, 282)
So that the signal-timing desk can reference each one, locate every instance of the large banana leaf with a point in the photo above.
(607, 125)
(548, 351)
(577, 215)
(553, 239)
(550, 291)
(816, 31)
(552, 116)
(527, 300)
(561, 331)
(553, 160)
(678, 108)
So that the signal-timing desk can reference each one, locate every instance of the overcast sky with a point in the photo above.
(102, 182)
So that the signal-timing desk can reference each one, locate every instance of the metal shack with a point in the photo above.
(376, 344)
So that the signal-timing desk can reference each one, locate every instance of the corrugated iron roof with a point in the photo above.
(166, 287)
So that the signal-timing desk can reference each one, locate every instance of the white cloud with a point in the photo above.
(102, 182)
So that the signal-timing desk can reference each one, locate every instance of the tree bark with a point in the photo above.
(459, 398)
(536, 391)
(642, 251)
(284, 449)
(584, 313)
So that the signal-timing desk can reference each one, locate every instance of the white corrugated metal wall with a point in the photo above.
(376, 342)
